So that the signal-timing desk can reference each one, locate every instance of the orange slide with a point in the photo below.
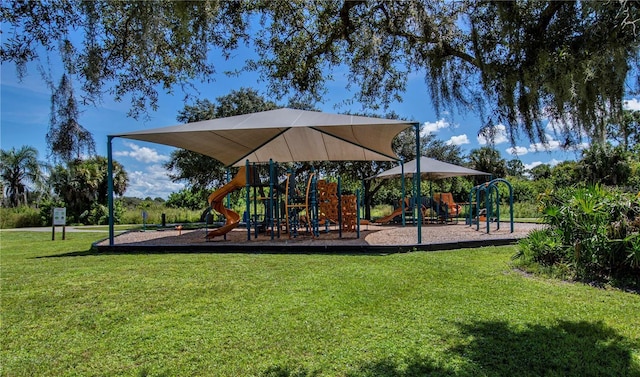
(216, 199)
(386, 219)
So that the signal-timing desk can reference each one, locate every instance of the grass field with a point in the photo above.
(69, 312)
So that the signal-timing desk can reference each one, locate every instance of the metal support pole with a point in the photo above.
(248, 199)
(418, 173)
(224, 236)
(271, 187)
(255, 198)
(357, 213)
(469, 208)
(110, 188)
(339, 208)
(313, 215)
(404, 219)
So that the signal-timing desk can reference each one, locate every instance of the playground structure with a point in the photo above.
(440, 208)
(292, 207)
(488, 192)
(284, 135)
(232, 218)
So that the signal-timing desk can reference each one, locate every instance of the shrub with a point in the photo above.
(19, 217)
(593, 230)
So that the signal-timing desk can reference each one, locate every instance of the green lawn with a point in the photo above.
(66, 312)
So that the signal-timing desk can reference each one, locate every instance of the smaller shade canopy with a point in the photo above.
(284, 135)
(430, 168)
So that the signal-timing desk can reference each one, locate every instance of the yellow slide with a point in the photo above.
(215, 201)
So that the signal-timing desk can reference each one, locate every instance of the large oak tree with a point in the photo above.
(512, 62)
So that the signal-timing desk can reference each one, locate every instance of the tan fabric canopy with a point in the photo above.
(284, 135)
(430, 168)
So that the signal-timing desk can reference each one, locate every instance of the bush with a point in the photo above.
(20, 217)
(187, 198)
(594, 230)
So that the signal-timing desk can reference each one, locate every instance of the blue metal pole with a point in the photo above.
(110, 188)
(254, 176)
(404, 221)
(418, 194)
(489, 205)
(248, 199)
(357, 213)
(470, 209)
(313, 215)
(228, 195)
(339, 209)
(478, 191)
(271, 186)
(224, 236)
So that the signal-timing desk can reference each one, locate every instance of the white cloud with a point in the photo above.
(552, 162)
(554, 127)
(458, 140)
(517, 151)
(500, 136)
(580, 146)
(533, 165)
(142, 154)
(432, 127)
(632, 104)
(551, 145)
(152, 182)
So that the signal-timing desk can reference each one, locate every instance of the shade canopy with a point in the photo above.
(283, 135)
(429, 168)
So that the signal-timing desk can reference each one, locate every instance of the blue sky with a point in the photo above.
(25, 106)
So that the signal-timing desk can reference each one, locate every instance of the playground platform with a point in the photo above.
(373, 239)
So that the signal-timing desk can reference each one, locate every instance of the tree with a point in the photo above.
(19, 169)
(82, 185)
(67, 139)
(515, 168)
(203, 172)
(626, 129)
(565, 174)
(606, 164)
(514, 62)
(488, 160)
(538, 172)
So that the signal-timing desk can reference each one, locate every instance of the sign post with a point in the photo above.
(59, 218)
(145, 216)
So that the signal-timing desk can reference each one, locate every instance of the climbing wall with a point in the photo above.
(327, 201)
(349, 213)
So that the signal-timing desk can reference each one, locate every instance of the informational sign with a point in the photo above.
(59, 216)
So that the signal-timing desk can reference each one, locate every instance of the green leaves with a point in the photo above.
(600, 225)
(515, 63)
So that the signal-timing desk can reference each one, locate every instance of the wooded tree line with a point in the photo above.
(81, 184)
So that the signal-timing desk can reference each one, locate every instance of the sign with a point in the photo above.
(59, 216)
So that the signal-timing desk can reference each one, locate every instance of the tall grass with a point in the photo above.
(20, 217)
(154, 215)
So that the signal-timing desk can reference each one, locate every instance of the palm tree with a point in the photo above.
(18, 169)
